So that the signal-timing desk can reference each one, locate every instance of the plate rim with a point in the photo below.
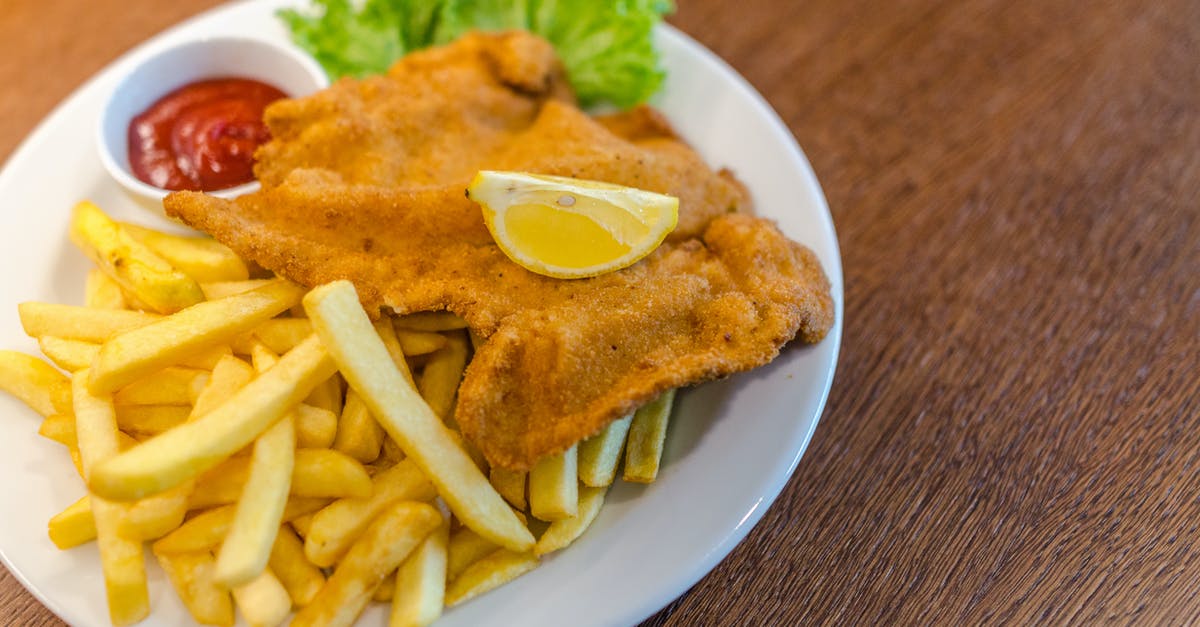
(782, 470)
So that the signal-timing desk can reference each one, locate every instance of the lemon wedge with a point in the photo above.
(571, 228)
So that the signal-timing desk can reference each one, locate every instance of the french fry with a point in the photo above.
(223, 289)
(563, 532)
(201, 258)
(279, 334)
(382, 547)
(132, 355)
(464, 548)
(390, 453)
(299, 576)
(345, 329)
(60, 428)
(599, 454)
(391, 341)
(170, 386)
(443, 372)
(647, 432)
(419, 342)
(328, 395)
(358, 433)
(510, 484)
(247, 548)
(430, 321)
(120, 558)
(207, 530)
(228, 376)
(80, 323)
(420, 587)
(264, 601)
(489, 573)
(101, 292)
(156, 515)
(73, 526)
(148, 420)
(129, 263)
(316, 473)
(335, 528)
(74, 355)
(35, 383)
(193, 577)
(198, 445)
(554, 486)
(386, 588)
(315, 427)
(302, 524)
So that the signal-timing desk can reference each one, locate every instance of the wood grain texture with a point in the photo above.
(1012, 434)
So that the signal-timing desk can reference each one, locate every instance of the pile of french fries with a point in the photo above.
(279, 450)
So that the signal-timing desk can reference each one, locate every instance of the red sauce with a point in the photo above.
(201, 136)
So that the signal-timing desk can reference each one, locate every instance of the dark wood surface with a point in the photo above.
(1014, 431)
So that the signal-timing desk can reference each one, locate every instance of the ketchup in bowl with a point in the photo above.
(201, 136)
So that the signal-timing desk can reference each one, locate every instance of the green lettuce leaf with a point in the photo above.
(606, 45)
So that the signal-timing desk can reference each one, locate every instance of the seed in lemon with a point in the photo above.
(571, 228)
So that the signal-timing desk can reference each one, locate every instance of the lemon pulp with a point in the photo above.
(571, 228)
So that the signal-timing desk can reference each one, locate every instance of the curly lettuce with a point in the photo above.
(606, 45)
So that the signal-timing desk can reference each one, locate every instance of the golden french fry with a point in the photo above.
(170, 386)
(215, 290)
(60, 428)
(73, 355)
(156, 515)
(563, 532)
(193, 576)
(466, 547)
(554, 486)
(35, 383)
(382, 547)
(129, 263)
(386, 588)
(420, 587)
(201, 258)
(207, 530)
(198, 445)
(647, 433)
(316, 473)
(80, 323)
(328, 395)
(390, 453)
(391, 341)
(278, 334)
(264, 601)
(299, 576)
(358, 433)
(442, 374)
(430, 321)
(247, 548)
(101, 292)
(599, 454)
(229, 375)
(134, 354)
(147, 420)
(489, 573)
(302, 524)
(315, 427)
(345, 329)
(73, 526)
(419, 342)
(336, 527)
(120, 558)
(510, 484)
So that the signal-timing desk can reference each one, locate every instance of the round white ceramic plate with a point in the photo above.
(731, 447)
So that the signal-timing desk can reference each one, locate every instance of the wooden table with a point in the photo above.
(1014, 431)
